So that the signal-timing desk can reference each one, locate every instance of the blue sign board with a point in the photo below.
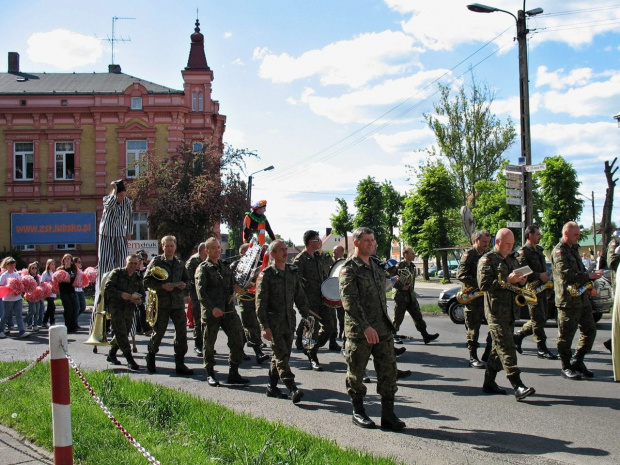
(53, 228)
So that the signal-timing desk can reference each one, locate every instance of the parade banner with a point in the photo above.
(53, 228)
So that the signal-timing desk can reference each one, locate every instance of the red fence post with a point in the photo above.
(61, 402)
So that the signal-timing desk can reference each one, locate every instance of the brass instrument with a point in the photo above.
(537, 286)
(159, 273)
(524, 296)
(152, 306)
(466, 295)
(575, 291)
(306, 336)
(99, 335)
(405, 277)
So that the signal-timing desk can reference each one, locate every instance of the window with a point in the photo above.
(140, 226)
(197, 101)
(65, 246)
(24, 161)
(25, 248)
(200, 102)
(136, 103)
(194, 104)
(135, 151)
(65, 161)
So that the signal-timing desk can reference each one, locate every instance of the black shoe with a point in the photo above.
(493, 388)
(521, 392)
(546, 355)
(111, 358)
(334, 346)
(150, 363)
(234, 377)
(315, 365)
(362, 420)
(246, 357)
(261, 357)
(400, 374)
(607, 345)
(398, 351)
(296, 395)
(211, 380)
(179, 366)
(518, 339)
(475, 363)
(430, 337)
(567, 373)
(276, 393)
(197, 351)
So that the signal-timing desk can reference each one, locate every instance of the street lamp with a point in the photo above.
(269, 168)
(526, 143)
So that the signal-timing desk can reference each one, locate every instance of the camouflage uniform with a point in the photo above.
(313, 274)
(362, 289)
(171, 304)
(406, 301)
(214, 286)
(122, 311)
(247, 302)
(613, 259)
(467, 274)
(276, 292)
(499, 309)
(573, 312)
(534, 257)
(191, 266)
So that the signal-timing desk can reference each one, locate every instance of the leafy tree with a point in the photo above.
(191, 191)
(470, 137)
(393, 206)
(342, 222)
(559, 198)
(370, 213)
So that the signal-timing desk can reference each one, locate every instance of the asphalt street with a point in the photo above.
(449, 419)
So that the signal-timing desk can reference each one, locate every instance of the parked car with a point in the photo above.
(451, 268)
(432, 271)
(601, 303)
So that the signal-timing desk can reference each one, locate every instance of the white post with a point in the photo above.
(61, 402)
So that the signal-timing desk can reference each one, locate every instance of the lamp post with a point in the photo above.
(269, 168)
(524, 90)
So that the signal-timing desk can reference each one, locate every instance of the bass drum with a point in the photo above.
(334, 271)
(331, 292)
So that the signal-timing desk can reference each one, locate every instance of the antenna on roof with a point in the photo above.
(114, 39)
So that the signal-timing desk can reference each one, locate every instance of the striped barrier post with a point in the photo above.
(61, 402)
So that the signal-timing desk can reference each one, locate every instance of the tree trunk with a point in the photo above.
(444, 266)
(346, 244)
(425, 268)
(606, 228)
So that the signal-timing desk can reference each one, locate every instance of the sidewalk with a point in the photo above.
(16, 450)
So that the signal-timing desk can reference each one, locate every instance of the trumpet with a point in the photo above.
(466, 295)
(575, 291)
(152, 307)
(524, 296)
(537, 286)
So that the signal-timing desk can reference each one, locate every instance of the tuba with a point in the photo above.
(99, 335)
(524, 296)
(575, 291)
(467, 294)
(151, 306)
(248, 264)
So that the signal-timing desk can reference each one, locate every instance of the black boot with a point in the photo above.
(577, 364)
(487, 349)
(359, 414)
(333, 345)
(294, 394)
(428, 337)
(150, 362)
(389, 420)
(211, 380)
(567, 370)
(518, 338)
(473, 359)
(179, 366)
(607, 345)
(398, 351)
(273, 390)
(400, 374)
(490, 386)
(112, 356)
(543, 352)
(314, 359)
(299, 343)
(260, 356)
(131, 363)
(234, 377)
(521, 391)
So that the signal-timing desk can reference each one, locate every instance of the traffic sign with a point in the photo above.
(514, 224)
(514, 168)
(514, 201)
(514, 193)
(521, 161)
(532, 168)
(514, 176)
(513, 184)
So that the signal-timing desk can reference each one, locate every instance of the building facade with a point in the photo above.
(64, 137)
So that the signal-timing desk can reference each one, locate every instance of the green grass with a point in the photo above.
(175, 427)
(430, 308)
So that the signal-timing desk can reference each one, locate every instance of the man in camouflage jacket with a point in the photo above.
(191, 266)
(613, 259)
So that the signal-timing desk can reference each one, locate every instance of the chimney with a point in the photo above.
(328, 231)
(13, 62)
(115, 69)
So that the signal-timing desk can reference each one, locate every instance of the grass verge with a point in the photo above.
(430, 308)
(175, 427)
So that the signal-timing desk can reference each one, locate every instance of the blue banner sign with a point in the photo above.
(53, 228)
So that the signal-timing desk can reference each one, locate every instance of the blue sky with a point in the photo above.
(330, 92)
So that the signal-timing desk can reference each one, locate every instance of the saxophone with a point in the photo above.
(467, 294)
(537, 286)
(151, 306)
(575, 291)
(524, 296)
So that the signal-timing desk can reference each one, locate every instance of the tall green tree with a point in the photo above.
(393, 207)
(559, 189)
(190, 191)
(370, 212)
(470, 136)
(342, 221)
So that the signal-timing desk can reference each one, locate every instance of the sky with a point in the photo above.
(330, 92)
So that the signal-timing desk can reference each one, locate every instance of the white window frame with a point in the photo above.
(25, 248)
(136, 103)
(194, 104)
(21, 165)
(63, 153)
(139, 219)
(134, 157)
(65, 246)
(200, 101)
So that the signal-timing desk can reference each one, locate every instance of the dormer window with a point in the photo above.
(136, 103)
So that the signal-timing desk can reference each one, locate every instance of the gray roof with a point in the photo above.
(74, 83)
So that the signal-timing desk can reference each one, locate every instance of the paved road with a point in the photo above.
(449, 419)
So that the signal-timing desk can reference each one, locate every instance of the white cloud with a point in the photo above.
(594, 99)
(353, 63)
(238, 62)
(558, 79)
(64, 49)
(228, 35)
(578, 142)
(405, 141)
(260, 53)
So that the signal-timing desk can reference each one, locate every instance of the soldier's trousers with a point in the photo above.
(474, 316)
(357, 352)
(536, 324)
(281, 345)
(323, 327)
(571, 319)
(249, 321)
(179, 320)
(197, 324)
(121, 322)
(504, 353)
(231, 324)
(413, 308)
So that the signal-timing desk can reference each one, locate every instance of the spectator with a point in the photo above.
(12, 303)
(67, 294)
(47, 277)
(586, 261)
(80, 298)
(601, 261)
(36, 308)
